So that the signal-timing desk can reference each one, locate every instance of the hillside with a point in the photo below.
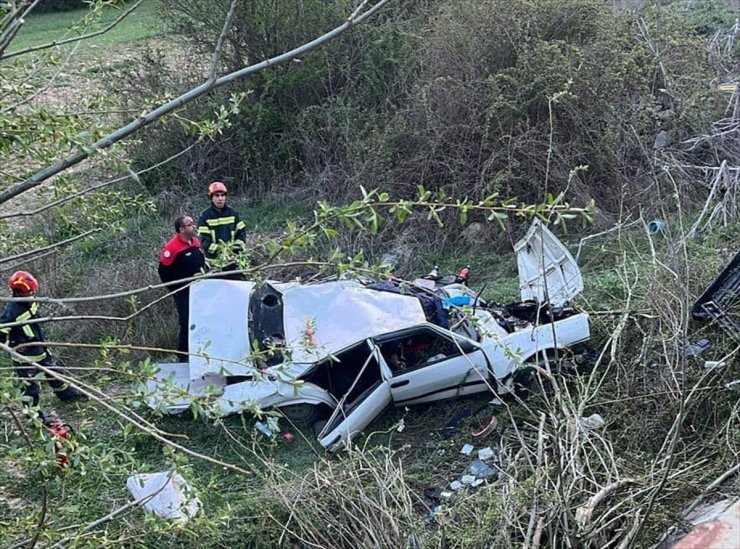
(430, 132)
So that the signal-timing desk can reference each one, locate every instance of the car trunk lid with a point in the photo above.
(547, 270)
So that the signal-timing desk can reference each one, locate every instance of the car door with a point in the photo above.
(434, 365)
(366, 398)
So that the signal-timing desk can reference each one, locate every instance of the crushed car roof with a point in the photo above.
(318, 320)
(328, 317)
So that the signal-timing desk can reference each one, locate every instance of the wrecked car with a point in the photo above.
(344, 350)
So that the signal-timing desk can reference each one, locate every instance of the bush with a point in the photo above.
(45, 6)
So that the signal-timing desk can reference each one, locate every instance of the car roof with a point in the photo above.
(322, 319)
(318, 320)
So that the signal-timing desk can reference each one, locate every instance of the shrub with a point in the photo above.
(45, 6)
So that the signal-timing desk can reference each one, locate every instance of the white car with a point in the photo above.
(348, 349)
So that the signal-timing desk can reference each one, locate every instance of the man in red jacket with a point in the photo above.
(181, 258)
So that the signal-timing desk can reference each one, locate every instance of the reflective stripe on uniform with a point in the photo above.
(218, 221)
(35, 358)
(28, 330)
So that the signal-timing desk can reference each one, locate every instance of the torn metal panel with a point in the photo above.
(548, 273)
(219, 328)
(721, 301)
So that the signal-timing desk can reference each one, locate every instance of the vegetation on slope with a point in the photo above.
(464, 98)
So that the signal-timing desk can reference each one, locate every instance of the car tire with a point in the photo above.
(302, 413)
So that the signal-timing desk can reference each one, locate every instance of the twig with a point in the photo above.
(129, 417)
(75, 39)
(49, 247)
(617, 227)
(533, 516)
(15, 23)
(98, 186)
(716, 482)
(584, 513)
(44, 491)
(220, 42)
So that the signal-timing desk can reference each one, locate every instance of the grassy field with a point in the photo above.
(47, 27)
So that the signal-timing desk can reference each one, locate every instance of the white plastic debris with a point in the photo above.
(467, 449)
(477, 482)
(712, 364)
(594, 421)
(445, 494)
(265, 429)
(467, 479)
(166, 494)
(496, 401)
(733, 385)
(484, 454)
(456, 485)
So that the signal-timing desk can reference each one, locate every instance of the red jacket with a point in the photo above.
(179, 260)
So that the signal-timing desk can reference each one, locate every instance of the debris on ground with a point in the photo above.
(594, 421)
(166, 494)
(482, 470)
(454, 424)
(695, 349)
(484, 454)
(268, 428)
(487, 429)
(467, 449)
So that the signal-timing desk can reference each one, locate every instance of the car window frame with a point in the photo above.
(463, 344)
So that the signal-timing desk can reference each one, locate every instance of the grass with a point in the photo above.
(47, 27)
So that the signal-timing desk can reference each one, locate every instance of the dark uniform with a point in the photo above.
(31, 333)
(218, 228)
(180, 260)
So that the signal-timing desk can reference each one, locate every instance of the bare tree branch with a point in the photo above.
(49, 247)
(129, 415)
(75, 39)
(99, 186)
(220, 42)
(13, 24)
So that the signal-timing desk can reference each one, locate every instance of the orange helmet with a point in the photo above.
(216, 187)
(23, 282)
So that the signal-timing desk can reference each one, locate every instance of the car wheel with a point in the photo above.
(302, 413)
(526, 383)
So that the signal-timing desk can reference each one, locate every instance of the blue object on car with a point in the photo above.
(457, 301)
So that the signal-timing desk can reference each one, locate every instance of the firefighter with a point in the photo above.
(24, 284)
(182, 257)
(220, 228)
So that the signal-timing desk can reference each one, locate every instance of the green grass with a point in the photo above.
(47, 27)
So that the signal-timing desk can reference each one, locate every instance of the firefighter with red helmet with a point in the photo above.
(221, 230)
(181, 258)
(24, 284)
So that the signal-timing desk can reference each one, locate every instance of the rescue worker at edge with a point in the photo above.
(24, 284)
(181, 258)
(221, 229)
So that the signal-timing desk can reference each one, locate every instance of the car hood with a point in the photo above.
(547, 270)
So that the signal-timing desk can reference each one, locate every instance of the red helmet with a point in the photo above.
(216, 187)
(23, 282)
